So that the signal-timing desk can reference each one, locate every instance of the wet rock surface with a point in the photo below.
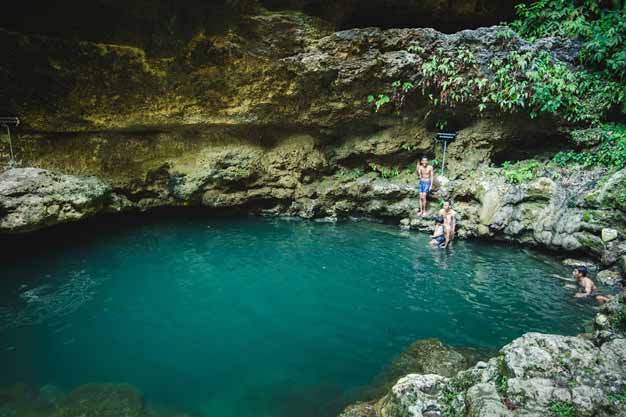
(33, 198)
(535, 375)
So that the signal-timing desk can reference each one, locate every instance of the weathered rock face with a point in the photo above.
(277, 69)
(271, 115)
(33, 198)
(297, 175)
(559, 210)
(535, 375)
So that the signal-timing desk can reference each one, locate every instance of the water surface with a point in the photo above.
(238, 317)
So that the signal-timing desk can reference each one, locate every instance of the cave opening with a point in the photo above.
(542, 148)
(447, 16)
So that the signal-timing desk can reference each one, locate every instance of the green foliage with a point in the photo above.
(415, 49)
(618, 319)
(618, 398)
(384, 171)
(354, 173)
(610, 150)
(563, 409)
(502, 379)
(571, 384)
(449, 395)
(441, 124)
(533, 82)
(538, 84)
(379, 101)
(599, 24)
(520, 172)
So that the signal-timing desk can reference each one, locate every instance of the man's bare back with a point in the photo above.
(588, 288)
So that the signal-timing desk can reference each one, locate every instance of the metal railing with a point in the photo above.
(7, 122)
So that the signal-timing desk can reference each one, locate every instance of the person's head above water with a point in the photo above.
(447, 205)
(439, 219)
(580, 272)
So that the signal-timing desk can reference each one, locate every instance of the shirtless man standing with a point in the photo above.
(449, 222)
(425, 173)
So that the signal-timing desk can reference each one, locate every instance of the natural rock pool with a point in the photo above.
(236, 317)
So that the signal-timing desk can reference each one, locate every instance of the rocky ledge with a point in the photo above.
(566, 210)
(32, 198)
(536, 375)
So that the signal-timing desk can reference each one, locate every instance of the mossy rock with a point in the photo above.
(431, 356)
(102, 400)
(21, 400)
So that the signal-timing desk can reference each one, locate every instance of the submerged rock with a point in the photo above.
(430, 356)
(18, 400)
(51, 394)
(102, 400)
(532, 376)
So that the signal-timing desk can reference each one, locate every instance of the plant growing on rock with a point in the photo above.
(353, 173)
(520, 172)
(563, 409)
(502, 378)
(384, 171)
(619, 398)
(610, 150)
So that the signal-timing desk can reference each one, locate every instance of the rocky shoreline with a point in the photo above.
(272, 118)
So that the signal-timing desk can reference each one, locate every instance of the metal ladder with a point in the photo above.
(7, 122)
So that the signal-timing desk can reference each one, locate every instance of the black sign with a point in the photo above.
(9, 121)
(446, 137)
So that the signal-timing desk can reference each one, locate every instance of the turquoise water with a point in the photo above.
(238, 317)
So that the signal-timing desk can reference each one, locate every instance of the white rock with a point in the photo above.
(609, 235)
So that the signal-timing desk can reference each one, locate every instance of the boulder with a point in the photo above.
(429, 356)
(413, 396)
(622, 263)
(579, 262)
(360, 410)
(102, 400)
(32, 198)
(609, 277)
(18, 400)
(609, 235)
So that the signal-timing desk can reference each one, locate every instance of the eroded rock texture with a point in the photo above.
(32, 198)
(535, 375)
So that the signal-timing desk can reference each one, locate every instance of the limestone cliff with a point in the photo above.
(269, 114)
(272, 116)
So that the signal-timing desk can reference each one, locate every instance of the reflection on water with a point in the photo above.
(47, 303)
(262, 317)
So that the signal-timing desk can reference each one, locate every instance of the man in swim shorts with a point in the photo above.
(425, 173)
(438, 238)
(449, 222)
